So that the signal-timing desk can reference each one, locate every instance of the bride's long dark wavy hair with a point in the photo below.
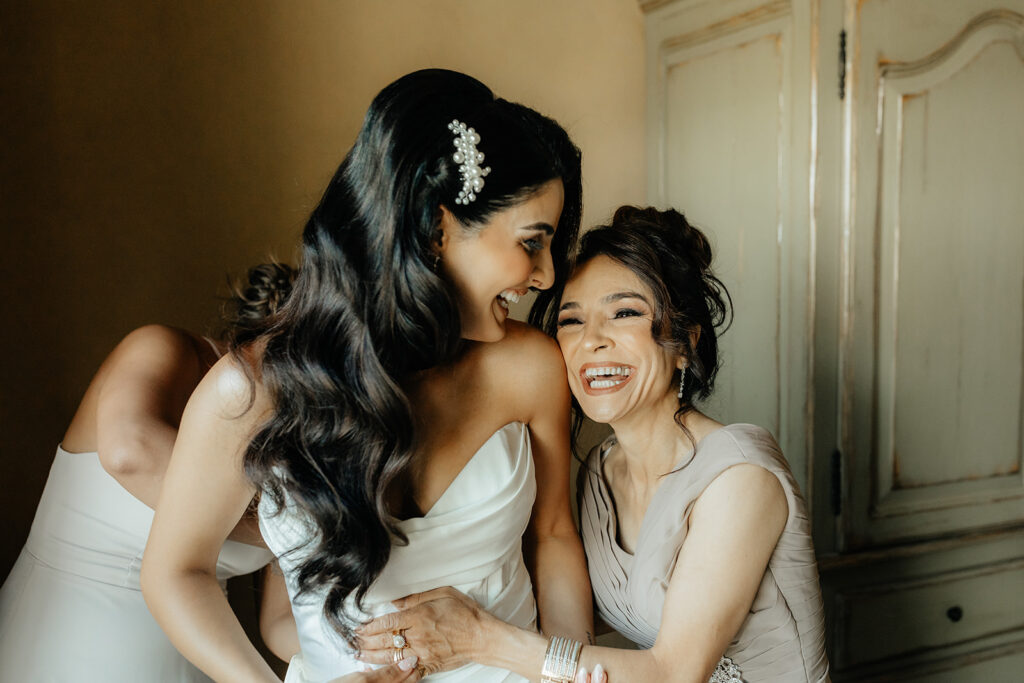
(368, 309)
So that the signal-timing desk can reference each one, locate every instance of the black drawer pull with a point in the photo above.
(955, 614)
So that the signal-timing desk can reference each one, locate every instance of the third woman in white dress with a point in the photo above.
(71, 608)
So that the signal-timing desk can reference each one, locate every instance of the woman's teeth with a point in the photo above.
(612, 370)
(618, 371)
(507, 297)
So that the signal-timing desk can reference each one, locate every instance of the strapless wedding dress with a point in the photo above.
(470, 539)
(71, 608)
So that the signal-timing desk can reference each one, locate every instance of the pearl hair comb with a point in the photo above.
(468, 158)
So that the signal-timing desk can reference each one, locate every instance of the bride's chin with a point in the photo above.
(490, 335)
(489, 328)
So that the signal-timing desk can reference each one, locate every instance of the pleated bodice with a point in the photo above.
(782, 638)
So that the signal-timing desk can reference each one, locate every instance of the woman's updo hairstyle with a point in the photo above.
(254, 302)
(673, 259)
(368, 309)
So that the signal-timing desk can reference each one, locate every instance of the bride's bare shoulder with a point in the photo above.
(540, 351)
(233, 388)
(533, 361)
(522, 339)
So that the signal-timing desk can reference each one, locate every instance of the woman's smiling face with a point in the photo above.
(500, 262)
(615, 365)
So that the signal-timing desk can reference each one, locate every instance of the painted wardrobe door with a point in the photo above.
(936, 301)
(859, 166)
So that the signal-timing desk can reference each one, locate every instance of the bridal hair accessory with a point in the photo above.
(561, 660)
(468, 157)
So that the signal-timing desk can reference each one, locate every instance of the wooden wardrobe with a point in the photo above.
(860, 168)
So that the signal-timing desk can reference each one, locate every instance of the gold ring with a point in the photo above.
(398, 639)
(397, 655)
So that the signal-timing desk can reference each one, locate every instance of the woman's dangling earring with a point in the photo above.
(438, 247)
(682, 382)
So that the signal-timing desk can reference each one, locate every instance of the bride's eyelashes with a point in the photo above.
(532, 245)
(532, 240)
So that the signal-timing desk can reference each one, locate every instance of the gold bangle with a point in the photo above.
(561, 660)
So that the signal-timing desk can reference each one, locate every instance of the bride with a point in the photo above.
(395, 430)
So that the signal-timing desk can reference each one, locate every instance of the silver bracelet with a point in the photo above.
(560, 660)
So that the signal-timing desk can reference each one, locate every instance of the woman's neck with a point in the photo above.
(650, 443)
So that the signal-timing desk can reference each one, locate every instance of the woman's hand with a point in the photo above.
(443, 627)
(404, 671)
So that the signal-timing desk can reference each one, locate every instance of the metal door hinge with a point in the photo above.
(836, 489)
(842, 64)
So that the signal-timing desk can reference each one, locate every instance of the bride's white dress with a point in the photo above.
(71, 608)
(470, 539)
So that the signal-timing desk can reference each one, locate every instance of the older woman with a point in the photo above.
(696, 534)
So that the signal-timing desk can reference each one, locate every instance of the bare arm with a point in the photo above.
(277, 623)
(552, 546)
(205, 493)
(734, 527)
(130, 412)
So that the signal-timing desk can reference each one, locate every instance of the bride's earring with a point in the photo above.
(437, 248)
(682, 382)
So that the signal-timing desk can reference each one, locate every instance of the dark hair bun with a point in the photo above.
(268, 287)
(685, 240)
(255, 300)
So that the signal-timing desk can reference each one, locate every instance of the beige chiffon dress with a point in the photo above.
(782, 638)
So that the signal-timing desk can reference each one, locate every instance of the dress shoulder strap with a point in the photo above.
(731, 445)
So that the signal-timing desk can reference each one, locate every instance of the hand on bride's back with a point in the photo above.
(443, 627)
